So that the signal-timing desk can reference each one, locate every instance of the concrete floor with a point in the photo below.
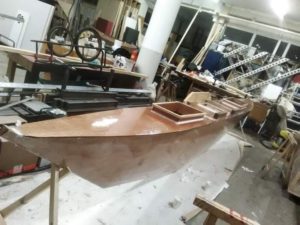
(262, 200)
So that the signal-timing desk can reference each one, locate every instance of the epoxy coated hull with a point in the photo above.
(149, 147)
(108, 161)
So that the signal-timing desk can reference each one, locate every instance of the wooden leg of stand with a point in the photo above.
(53, 216)
(7, 210)
(11, 70)
(210, 220)
(2, 222)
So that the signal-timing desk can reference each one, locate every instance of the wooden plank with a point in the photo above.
(222, 212)
(27, 62)
(118, 19)
(294, 185)
(32, 53)
(21, 60)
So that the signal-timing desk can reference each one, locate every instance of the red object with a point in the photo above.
(134, 54)
(297, 79)
(104, 26)
(10, 172)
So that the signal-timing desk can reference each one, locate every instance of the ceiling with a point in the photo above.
(262, 6)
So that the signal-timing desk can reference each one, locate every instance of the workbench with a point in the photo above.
(61, 73)
(198, 84)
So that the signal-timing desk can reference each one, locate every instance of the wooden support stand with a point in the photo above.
(56, 174)
(284, 153)
(217, 211)
(2, 221)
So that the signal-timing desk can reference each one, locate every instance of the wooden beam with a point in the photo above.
(11, 70)
(2, 221)
(53, 209)
(210, 220)
(221, 212)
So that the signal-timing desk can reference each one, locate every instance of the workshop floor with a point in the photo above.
(261, 200)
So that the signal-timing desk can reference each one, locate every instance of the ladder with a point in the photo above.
(260, 55)
(263, 68)
(235, 51)
(272, 80)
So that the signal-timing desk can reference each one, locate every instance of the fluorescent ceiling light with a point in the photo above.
(280, 7)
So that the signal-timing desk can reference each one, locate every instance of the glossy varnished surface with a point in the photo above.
(108, 161)
(123, 145)
(121, 122)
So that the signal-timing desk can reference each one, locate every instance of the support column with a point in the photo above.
(158, 32)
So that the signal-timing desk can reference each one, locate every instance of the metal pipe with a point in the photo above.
(19, 18)
(275, 51)
(286, 50)
(252, 40)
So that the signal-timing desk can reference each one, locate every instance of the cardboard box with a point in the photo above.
(259, 112)
(15, 159)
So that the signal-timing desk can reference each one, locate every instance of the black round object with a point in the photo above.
(121, 52)
(61, 41)
(87, 40)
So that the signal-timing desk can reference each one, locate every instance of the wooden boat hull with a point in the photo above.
(141, 145)
(108, 161)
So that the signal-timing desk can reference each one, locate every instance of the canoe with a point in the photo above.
(119, 146)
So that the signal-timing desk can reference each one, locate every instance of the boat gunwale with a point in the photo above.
(206, 119)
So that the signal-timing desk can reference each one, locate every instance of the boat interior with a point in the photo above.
(187, 112)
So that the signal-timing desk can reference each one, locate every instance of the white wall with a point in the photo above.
(143, 9)
(40, 16)
(107, 9)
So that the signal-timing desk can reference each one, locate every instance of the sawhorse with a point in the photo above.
(56, 174)
(217, 211)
